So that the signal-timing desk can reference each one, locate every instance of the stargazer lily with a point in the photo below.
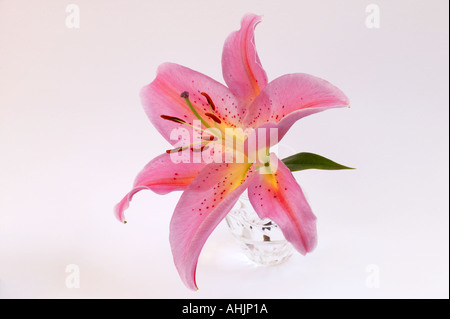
(180, 97)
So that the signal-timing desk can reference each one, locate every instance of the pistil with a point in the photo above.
(185, 96)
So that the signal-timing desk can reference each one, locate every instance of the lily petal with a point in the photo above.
(204, 203)
(162, 176)
(162, 97)
(292, 97)
(241, 67)
(278, 197)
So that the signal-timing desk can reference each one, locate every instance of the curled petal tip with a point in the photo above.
(119, 209)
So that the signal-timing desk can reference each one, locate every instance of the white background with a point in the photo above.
(73, 136)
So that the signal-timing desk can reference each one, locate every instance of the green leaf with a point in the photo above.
(302, 161)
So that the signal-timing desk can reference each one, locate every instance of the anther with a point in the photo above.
(173, 119)
(210, 102)
(178, 149)
(209, 138)
(201, 149)
(213, 117)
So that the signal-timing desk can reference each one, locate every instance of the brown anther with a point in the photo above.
(178, 149)
(213, 117)
(210, 102)
(173, 119)
(209, 138)
(201, 149)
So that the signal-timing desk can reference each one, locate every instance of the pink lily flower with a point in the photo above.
(178, 96)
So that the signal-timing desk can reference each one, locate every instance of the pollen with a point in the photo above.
(178, 149)
(173, 119)
(213, 117)
(210, 101)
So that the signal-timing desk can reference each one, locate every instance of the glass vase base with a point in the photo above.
(261, 240)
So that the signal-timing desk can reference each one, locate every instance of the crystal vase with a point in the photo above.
(261, 239)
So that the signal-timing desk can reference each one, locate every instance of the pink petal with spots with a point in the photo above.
(292, 97)
(241, 67)
(162, 97)
(202, 206)
(279, 197)
(162, 176)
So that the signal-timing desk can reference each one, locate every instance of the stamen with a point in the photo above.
(173, 119)
(209, 138)
(213, 117)
(201, 149)
(210, 102)
(191, 146)
(178, 149)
